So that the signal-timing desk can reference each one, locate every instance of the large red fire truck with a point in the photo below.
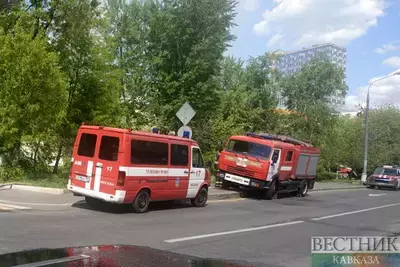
(273, 163)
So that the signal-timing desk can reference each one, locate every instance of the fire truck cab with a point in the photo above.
(272, 163)
(124, 166)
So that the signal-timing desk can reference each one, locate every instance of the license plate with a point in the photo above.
(237, 179)
(82, 178)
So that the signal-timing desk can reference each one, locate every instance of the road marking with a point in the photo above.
(176, 240)
(376, 195)
(4, 208)
(354, 212)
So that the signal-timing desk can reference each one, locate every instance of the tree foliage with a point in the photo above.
(134, 63)
(384, 136)
(32, 94)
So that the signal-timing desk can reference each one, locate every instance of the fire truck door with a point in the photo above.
(197, 173)
(274, 163)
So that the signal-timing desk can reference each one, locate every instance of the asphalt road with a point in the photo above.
(267, 233)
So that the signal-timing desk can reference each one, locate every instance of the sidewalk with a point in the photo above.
(335, 186)
(217, 193)
(18, 197)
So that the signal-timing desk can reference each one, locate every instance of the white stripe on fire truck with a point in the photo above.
(97, 179)
(155, 172)
(89, 171)
(286, 168)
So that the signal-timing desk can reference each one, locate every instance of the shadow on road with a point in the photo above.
(126, 208)
(259, 195)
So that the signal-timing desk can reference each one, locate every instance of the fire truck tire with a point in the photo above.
(225, 185)
(93, 202)
(271, 192)
(201, 198)
(303, 189)
(142, 202)
(397, 186)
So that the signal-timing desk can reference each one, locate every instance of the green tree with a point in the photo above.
(384, 136)
(93, 81)
(308, 92)
(342, 145)
(32, 89)
(186, 44)
(248, 100)
(127, 39)
(313, 85)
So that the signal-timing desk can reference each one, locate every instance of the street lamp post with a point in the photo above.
(364, 173)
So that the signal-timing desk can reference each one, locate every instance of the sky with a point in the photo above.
(368, 29)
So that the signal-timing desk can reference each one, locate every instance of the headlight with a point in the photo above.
(221, 174)
(255, 184)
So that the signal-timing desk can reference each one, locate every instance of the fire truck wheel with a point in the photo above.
(201, 198)
(225, 185)
(142, 201)
(303, 189)
(93, 202)
(271, 193)
(397, 186)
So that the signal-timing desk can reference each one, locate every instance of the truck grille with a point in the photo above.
(240, 171)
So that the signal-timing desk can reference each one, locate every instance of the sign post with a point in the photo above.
(185, 114)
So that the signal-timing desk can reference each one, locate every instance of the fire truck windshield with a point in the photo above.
(252, 149)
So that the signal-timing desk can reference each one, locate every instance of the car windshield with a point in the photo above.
(386, 171)
(248, 148)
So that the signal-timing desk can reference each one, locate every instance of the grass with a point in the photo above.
(51, 183)
(340, 180)
(212, 179)
(42, 179)
(56, 183)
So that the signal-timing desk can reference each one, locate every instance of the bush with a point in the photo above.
(325, 176)
(11, 174)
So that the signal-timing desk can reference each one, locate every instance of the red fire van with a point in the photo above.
(123, 166)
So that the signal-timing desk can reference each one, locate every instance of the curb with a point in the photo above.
(38, 189)
(223, 196)
(337, 188)
(234, 194)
